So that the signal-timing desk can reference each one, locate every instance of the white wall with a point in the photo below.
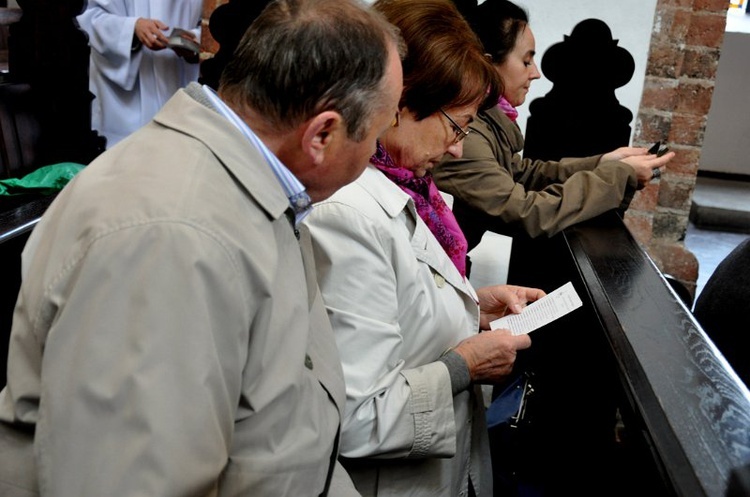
(726, 148)
(630, 21)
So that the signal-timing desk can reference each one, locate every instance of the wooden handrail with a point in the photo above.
(694, 409)
(22, 217)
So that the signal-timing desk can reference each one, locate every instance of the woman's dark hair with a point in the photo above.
(497, 23)
(445, 65)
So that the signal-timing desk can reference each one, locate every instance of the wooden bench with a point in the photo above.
(685, 415)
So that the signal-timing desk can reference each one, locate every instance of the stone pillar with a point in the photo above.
(208, 45)
(680, 78)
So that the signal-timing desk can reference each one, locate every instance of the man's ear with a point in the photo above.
(320, 132)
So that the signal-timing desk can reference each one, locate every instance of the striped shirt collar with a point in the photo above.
(299, 200)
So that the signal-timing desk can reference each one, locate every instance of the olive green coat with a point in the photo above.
(495, 189)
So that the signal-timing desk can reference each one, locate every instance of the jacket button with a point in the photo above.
(439, 280)
(308, 362)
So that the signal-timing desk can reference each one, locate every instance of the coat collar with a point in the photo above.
(427, 249)
(189, 112)
(496, 119)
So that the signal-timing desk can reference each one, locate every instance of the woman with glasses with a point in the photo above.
(493, 187)
(391, 266)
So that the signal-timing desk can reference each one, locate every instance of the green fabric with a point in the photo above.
(45, 180)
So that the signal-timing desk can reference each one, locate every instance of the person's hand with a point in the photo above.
(622, 153)
(640, 160)
(150, 32)
(490, 355)
(500, 300)
(646, 166)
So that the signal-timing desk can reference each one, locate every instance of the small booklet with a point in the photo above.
(177, 41)
(552, 306)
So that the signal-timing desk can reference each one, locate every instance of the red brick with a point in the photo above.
(680, 26)
(659, 93)
(678, 4)
(209, 6)
(717, 6)
(669, 227)
(687, 129)
(639, 224)
(661, 30)
(209, 46)
(694, 97)
(646, 198)
(675, 194)
(685, 161)
(706, 30)
(664, 60)
(652, 126)
(699, 63)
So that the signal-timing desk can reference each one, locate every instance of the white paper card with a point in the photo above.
(490, 260)
(545, 310)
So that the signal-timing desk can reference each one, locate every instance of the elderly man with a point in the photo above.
(169, 337)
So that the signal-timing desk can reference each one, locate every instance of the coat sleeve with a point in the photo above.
(110, 29)
(120, 414)
(391, 411)
(541, 197)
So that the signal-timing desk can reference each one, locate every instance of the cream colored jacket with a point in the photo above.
(396, 303)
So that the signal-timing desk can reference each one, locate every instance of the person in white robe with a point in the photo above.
(133, 72)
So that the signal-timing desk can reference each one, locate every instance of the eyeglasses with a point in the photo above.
(460, 132)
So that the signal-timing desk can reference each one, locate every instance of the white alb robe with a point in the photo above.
(131, 86)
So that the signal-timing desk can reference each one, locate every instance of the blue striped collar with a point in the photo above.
(299, 200)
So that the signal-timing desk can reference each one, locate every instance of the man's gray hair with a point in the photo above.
(303, 57)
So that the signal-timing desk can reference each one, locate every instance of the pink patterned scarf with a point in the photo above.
(430, 206)
(507, 109)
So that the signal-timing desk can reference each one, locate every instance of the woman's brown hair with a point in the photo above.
(445, 65)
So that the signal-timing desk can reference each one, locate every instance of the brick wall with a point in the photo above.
(680, 76)
(208, 44)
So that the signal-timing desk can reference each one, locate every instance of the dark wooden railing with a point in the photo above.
(685, 415)
(694, 410)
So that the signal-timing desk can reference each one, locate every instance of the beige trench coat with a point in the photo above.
(169, 338)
